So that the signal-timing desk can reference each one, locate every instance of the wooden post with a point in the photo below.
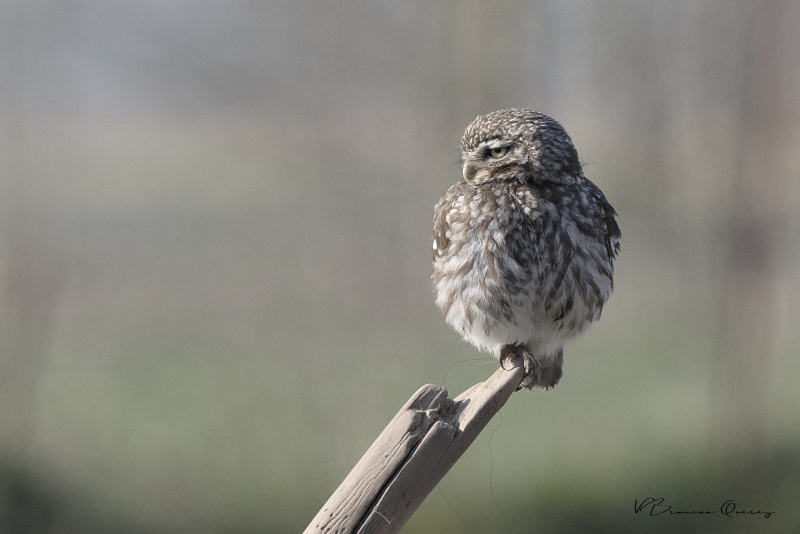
(412, 454)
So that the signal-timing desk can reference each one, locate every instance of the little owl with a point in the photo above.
(524, 247)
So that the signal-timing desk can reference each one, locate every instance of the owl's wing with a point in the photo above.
(441, 226)
(449, 210)
(613, 232)
(607, 228)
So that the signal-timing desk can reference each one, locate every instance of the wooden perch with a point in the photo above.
(412, 454)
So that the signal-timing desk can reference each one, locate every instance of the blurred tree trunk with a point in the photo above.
(764, 220)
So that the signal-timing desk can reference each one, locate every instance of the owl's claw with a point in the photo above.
(507, 352)
(540, 371)
(531, 369)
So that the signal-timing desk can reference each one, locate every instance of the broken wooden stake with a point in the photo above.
(412, 454)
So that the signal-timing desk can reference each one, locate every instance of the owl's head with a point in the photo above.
(518, 144)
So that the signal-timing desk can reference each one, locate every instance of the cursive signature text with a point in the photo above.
(657, 507)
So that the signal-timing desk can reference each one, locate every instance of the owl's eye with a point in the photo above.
(498, 152)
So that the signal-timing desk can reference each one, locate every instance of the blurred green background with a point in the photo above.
(215, 256)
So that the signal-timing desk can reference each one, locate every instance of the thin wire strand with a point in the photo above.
(439, 487)
(503, 513)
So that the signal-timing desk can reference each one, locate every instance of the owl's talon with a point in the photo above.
(529, 363)
(508, 352)
(531, 370)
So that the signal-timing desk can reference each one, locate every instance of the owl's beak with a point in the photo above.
(468, 171)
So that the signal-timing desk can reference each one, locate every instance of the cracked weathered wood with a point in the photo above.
(412, 454)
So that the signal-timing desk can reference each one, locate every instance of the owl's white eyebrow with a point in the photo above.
(494, 143)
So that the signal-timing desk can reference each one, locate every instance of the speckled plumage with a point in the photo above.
(524, 247)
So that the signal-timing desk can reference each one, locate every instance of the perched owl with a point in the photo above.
(524, 247)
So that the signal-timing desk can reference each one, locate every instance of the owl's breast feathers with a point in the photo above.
(514, 262)
(484, 212)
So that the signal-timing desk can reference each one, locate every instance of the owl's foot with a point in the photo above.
(507, 352)
(543, 372)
